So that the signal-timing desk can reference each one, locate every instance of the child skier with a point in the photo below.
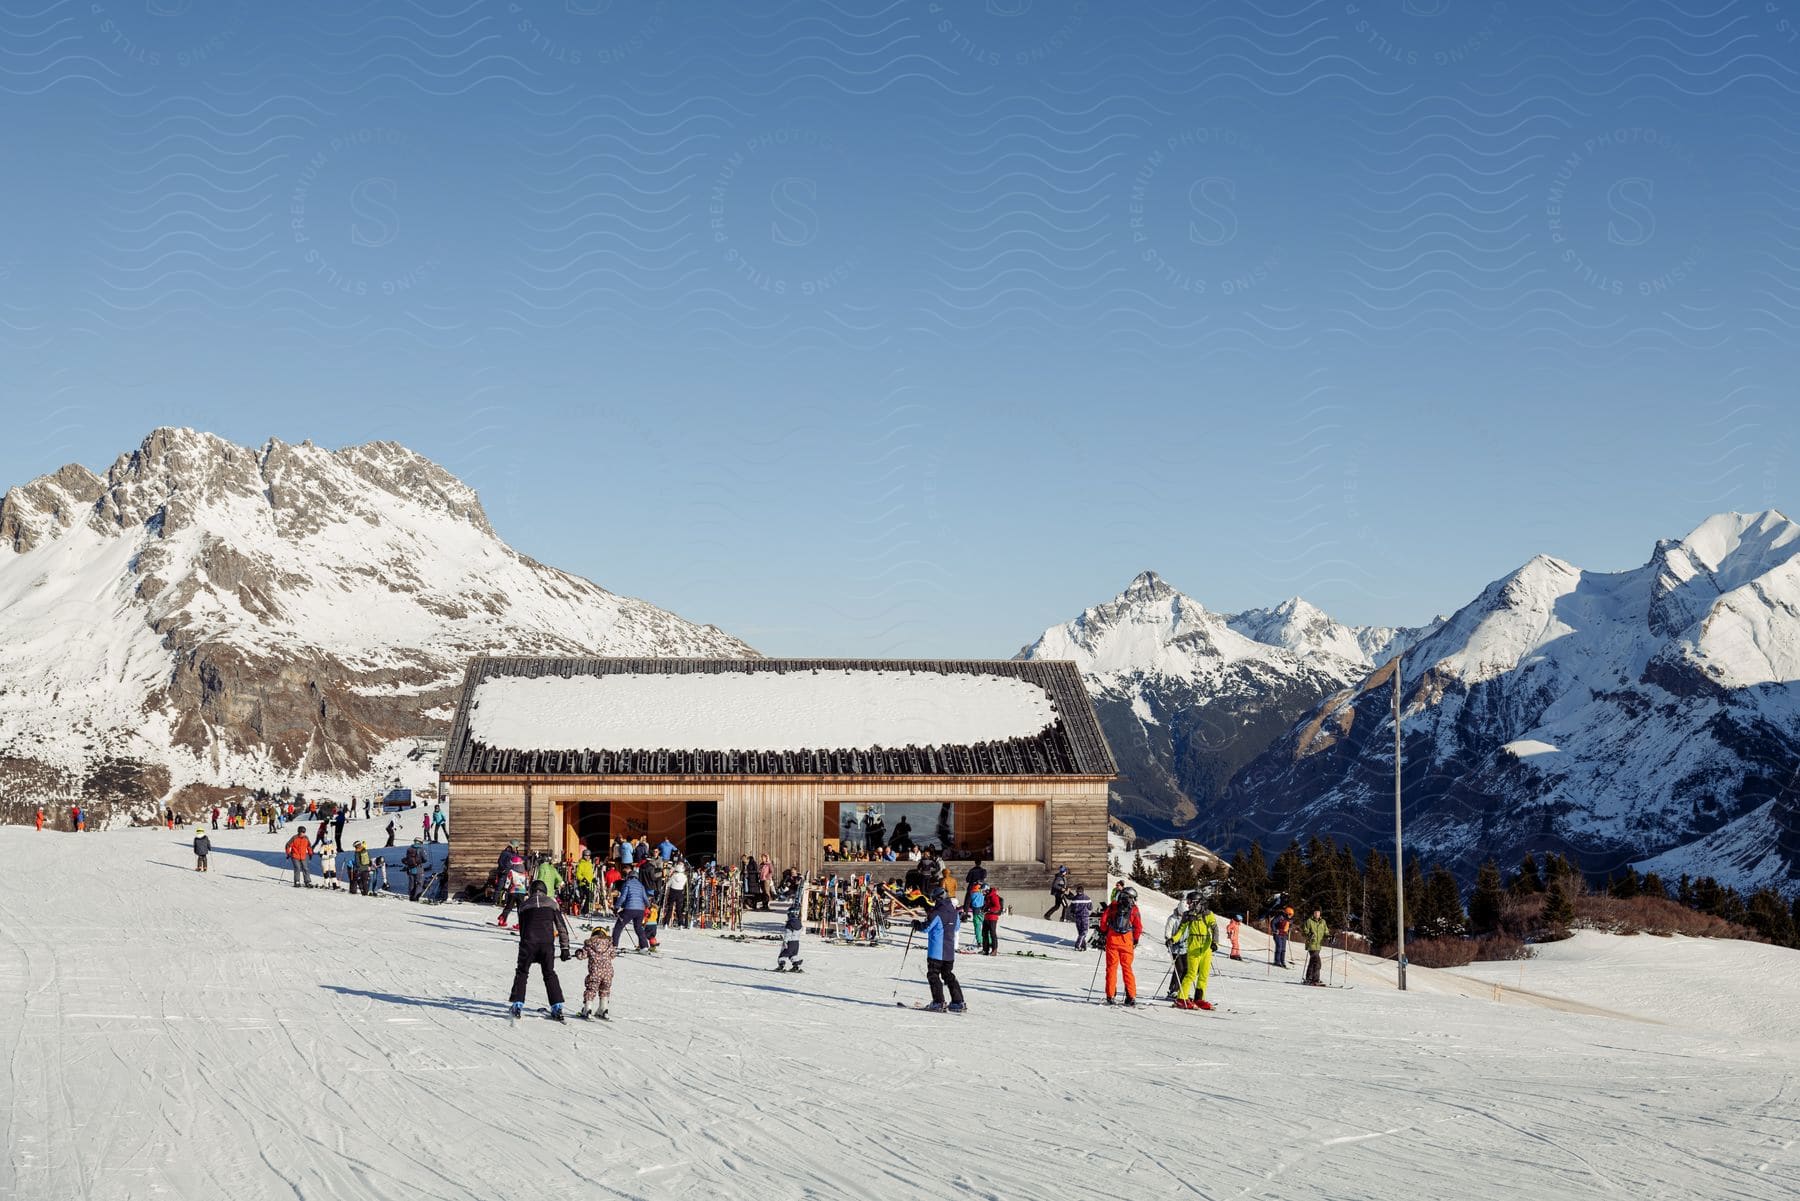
(202, 848)
(650, 915)
(790, 939)
(1231, 932)
(327, 864)
(599, 953)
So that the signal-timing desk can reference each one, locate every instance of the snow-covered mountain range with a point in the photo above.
(1643, 715)
(206, 614)
(1188, 697)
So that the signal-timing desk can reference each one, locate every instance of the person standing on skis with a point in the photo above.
(414, 862)
(541, 930)
(1279, 927)
(597, 990)
(1316, 932)
(1081, 910)
(300, 850)
(202, 848)
(1177, 953)
(513, 883)
(790, 935)
(337, 832)
(1196, 937)
(940, 927)
(1121, 927)
(1231, 932)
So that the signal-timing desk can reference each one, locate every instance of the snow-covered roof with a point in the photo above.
(775, 716)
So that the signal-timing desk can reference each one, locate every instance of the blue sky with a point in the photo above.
(912, 327)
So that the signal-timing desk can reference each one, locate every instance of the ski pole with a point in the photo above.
(1096, 975)
(895, 998)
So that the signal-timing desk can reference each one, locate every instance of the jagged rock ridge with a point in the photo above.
(207, 614)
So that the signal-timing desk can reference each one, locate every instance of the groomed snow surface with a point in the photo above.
(168, 1034)
(756, 711)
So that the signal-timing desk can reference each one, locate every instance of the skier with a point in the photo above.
(1059, 888)
(1080, 910)
(633, 900)
(362, 871)
(513, 884)
(299, 850)
(381, 870)
(987, 937)
(338, 828)
(541, 930)
(651, 914)
(1316, 932)
(425, 825)
(1177, 953)
(215, 817)
(1278, 929)
(1196, 937)
(547, 873)
(790, 938)
(599, 953)
(328, 865)
(390, 840)
(439, 823)
(940, 928)
(1121, 927)
(584, 881)
(414, 863)
(365, 808)
(1231, 932)
(202, 848)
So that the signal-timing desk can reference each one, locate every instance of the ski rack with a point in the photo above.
(716, 899)
(849, 910)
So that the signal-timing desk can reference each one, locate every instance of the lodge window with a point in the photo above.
(996, 831)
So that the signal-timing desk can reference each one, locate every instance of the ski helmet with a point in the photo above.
(1289, 911)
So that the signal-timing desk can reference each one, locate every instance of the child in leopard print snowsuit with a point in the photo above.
(599, 952)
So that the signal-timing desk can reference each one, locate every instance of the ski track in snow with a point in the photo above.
(169, 1034)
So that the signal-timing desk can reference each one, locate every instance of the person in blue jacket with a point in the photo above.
(940, 926)
(665, 849)
(633, 900)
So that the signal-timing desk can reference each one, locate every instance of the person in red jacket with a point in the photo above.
(299, 850)
(1122, 926)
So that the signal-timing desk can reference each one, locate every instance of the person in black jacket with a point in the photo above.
(202, 848)
(541, 929)
(414, 863)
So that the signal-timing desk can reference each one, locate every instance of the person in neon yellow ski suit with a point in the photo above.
(1196, 937)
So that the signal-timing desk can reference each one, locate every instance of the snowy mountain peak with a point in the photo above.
(206, 612)
(1146, 585)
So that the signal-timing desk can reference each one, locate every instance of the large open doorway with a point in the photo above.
(693, 826)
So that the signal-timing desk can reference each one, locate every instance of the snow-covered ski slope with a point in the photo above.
(168, 1034)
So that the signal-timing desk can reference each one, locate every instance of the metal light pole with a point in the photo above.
(1399, 855)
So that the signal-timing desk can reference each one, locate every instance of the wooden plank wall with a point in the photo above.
(784, 818)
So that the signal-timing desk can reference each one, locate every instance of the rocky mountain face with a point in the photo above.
(206, 615)
(1188, 697)
(1649, 716)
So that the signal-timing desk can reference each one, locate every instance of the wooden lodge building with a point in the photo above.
(798, 758)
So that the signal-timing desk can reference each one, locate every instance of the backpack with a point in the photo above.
(977, 899)
(1119, 920)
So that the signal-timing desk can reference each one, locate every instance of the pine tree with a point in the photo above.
(1178, 874)
(1378, 911)
(1139, 873)
(1250, 877)
(1487, 902)
(1652, 886)
(1527, 881)
(1322, 888)
(1442, 914)
(1288, 875)
(1417, 907)
(1559, 906)
(1626, 886)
